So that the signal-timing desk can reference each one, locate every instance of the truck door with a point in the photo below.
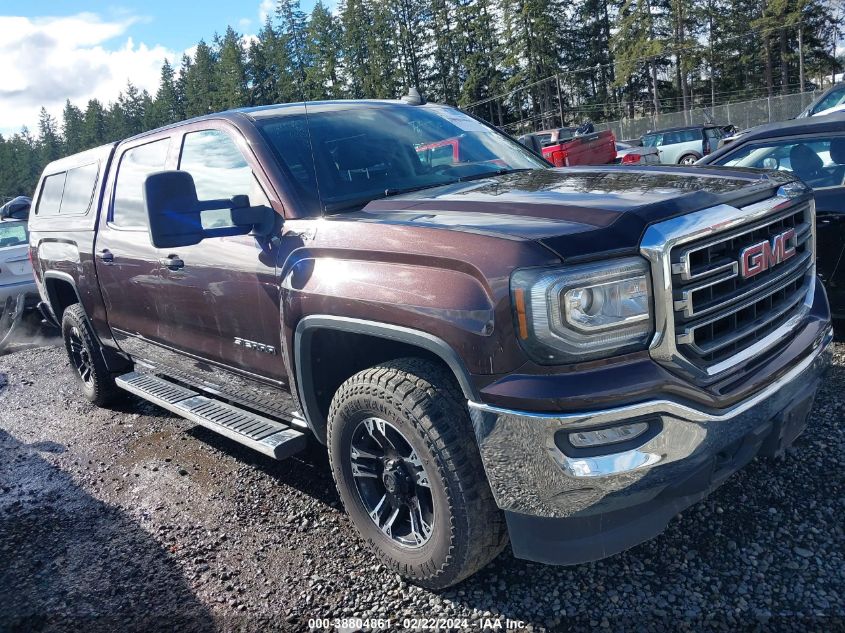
(126, 261)
(220, 299)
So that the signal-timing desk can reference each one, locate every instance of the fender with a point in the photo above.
(309, 325)
(113, 360)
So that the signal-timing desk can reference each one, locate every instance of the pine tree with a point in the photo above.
(93, 125)
(200, 86)
(133, 105)
(73, 122)
(382, 78)
(50, 144)
(355, 45)
(411, 18)
(633, 41)
(166, 107)
(293, 25)
(322, 48)
(482, 56)
(231, 88)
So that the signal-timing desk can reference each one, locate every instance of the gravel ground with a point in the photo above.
(131, 519)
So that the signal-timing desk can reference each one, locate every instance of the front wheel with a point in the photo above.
(688, 159)
(86, 357)
(404, 458)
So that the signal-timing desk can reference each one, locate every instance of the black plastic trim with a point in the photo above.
(309, 325)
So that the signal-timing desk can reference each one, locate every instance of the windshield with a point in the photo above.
(361, 154)
(13, 234)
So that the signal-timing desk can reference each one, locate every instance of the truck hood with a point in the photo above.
(574, 211)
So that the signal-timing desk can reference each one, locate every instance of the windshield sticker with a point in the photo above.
(461, 120)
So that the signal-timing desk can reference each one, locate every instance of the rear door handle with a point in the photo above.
(106, 256)
(172, 262)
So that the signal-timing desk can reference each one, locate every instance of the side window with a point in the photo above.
(219, 171)
(833, 99)
(820, 162)
(51, 195)
(135, 165)
(693, 135)
(79, 189)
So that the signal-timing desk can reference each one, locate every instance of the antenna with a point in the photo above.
(313, 159)
(414, 97)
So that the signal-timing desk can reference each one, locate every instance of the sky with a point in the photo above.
(82, 49)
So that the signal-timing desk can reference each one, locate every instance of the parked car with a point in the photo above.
(631, 155)
(562, 147)
(830, 98)
(812, 149)
(490, 349)
(16, 277)
(683, 145)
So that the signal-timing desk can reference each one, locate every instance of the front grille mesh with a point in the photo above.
(718, 313)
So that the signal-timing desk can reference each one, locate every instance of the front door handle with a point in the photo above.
(106, 256)
(172, 262)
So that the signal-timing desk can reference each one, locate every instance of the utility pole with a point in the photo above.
(559, 99)
(801, 56)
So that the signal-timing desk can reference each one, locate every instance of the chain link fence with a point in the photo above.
(743, 114)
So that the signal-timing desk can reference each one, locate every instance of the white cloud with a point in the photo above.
(266, 8)
(51, 59)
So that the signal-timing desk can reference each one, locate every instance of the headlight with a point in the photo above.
(575, 313)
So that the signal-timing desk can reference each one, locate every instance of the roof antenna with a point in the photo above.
(413, 97)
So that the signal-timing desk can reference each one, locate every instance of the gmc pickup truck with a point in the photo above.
(489, 348)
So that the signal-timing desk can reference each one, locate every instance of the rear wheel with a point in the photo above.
(86, 357)
(408, 471)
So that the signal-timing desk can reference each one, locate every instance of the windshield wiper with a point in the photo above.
(487, 174)
(364, 200)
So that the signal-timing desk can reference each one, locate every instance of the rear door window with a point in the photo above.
(51, 195)
(79, 189)
(136, 164)
(13, 234)
(688, 136)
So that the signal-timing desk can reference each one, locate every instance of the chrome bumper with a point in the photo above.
(530, 475)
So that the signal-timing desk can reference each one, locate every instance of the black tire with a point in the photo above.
(421, 401)
(688, 159)
(86, 358)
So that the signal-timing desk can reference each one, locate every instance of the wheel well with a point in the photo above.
(336, 355)
(61, 294)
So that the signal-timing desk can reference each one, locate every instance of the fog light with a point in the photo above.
(613, 435)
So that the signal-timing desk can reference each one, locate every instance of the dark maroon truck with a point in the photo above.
(490, 349)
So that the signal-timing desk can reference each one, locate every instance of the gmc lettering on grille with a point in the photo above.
(755, 259)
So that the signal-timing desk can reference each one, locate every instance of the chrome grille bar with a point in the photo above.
(708, 317)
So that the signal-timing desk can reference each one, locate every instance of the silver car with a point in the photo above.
(684, 145)
(15, 268)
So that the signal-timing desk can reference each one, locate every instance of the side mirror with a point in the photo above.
(16, 209)
(175, 213)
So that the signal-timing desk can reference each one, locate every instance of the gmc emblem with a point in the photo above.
(755, 259)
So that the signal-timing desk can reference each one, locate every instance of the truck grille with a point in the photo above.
(718, 312)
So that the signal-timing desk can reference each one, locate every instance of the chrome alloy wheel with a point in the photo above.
(392, 483)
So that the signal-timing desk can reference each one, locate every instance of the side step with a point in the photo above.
(261, 434)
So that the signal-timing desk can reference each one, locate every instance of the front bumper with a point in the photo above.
(570, 508)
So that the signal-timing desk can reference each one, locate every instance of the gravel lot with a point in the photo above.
(131, 519)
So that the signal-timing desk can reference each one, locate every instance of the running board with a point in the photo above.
(259, 433)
